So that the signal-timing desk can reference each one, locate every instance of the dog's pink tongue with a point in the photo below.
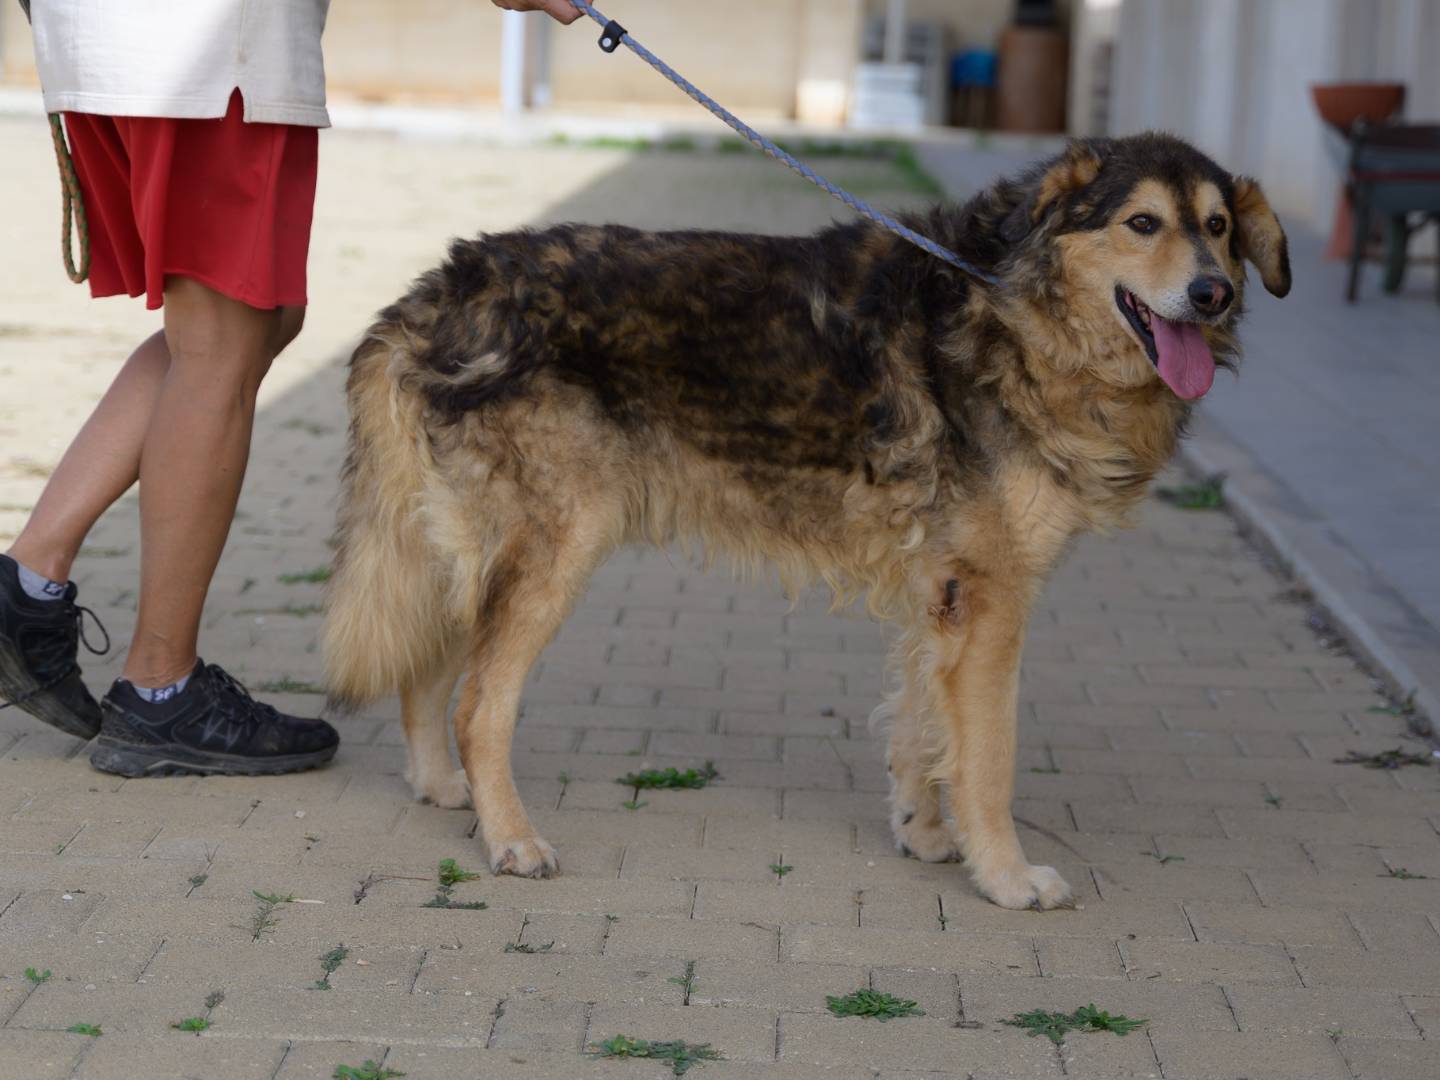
(1186, 363)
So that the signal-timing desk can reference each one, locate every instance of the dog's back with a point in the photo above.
(750, 394)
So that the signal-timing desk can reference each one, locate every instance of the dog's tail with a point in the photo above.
(386, 617)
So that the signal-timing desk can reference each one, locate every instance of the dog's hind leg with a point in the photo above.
(916, 820)
(529, 597)
(424, 713)
(975, 688)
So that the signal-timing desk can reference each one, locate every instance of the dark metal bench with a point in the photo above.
(1394, 171)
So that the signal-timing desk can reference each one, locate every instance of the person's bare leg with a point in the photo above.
(193, 463)
(99, 466)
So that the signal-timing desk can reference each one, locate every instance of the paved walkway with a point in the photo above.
(1240, 892)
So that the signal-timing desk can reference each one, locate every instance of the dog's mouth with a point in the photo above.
(1178, 349)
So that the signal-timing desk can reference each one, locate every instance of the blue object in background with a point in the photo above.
(973, 68)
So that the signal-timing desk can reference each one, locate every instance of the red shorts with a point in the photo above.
(221, 201)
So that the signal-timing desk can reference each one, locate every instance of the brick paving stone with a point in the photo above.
(1241, 854)
(566, 829)
(1373, 891)
(1396, 931)
(916, 1043)
(745, 903)
(1426, 1012)
(39, 1055)
(937, 993)
(1250, 923)
(1406, 971)
(566, 978)
(114, 1008)
(1127, 817)
(540, 1025)
(1202, 962)
(566, 934)
(879, 871)
(1066, 957)
(1314, 826)
(739, 1034)
(699, 864)
(1398, 801)
(768, 984)
(423, 1062)
(1167, 1006)
(641, 936)
(1348, 859)
(1377, 1059)
(955, 951)
(1151, 878)
(317, 1060)
(743, 1071)
(1124, 916)
(1314, 1011)
(1188, 711)
(126, 1056)
(591, 896)
(899, 908)
(797, 836)
(1220, 1056)
(1169, 789)
(1105, 1058)
(77, 958)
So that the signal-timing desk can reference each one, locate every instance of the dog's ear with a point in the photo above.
(1076, 168)
(1261, 238)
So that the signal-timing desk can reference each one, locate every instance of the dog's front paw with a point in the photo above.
(532, 858)
(451, 793)
(1026, 886)
(929, 842)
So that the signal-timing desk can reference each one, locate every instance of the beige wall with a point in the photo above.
(793, 49)
(758, 71)
(419, 48)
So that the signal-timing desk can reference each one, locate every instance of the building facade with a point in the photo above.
(1234, 77)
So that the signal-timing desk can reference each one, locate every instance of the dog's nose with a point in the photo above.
(1211, 294)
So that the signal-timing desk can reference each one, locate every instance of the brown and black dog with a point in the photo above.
(841, 407)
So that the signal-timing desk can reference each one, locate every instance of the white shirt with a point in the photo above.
(183, 58)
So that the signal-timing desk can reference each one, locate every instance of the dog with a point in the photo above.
(841, 408)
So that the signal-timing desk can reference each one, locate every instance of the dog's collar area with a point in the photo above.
(1131, 308)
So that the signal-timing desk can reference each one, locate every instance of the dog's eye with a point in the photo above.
(1216, 225)
(1144, 224)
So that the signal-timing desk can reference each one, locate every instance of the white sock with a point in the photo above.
(38, 586)
(156, 694)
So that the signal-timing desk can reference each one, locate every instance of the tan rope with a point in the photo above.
(72, 206)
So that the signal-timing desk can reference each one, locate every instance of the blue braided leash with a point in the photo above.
(615, 35)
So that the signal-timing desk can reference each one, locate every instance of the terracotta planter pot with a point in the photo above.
(1342, 104)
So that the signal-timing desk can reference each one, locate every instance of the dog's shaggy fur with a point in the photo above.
(841, 407)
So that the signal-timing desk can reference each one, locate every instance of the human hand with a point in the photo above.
(559, 10)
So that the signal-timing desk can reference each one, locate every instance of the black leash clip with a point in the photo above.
(611, 35)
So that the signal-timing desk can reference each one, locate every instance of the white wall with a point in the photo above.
(1234, 77)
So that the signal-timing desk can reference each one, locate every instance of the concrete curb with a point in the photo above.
(1376, 621)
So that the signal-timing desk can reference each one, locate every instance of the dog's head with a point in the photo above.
(1143, 240)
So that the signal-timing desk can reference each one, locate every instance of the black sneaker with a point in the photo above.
(39, 644)
(212, 726)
